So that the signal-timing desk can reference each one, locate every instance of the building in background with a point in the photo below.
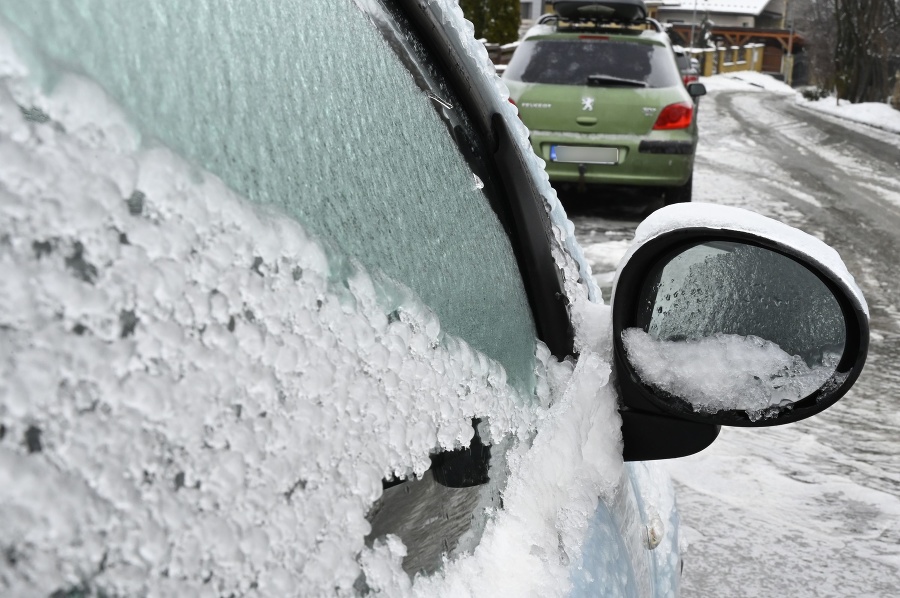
(740, 22)
(763, 14)
(728, 22)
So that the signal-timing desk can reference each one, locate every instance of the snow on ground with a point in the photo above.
(783, 500)
(746, 80)
(773, 505)
(874, 114)
(604, 257)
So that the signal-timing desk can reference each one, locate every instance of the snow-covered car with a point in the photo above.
(289, 308)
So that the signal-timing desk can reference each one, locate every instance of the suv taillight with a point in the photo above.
(675, 116)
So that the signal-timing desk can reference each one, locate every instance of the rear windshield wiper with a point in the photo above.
(602, 80)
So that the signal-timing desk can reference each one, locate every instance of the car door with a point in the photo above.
(274, 255)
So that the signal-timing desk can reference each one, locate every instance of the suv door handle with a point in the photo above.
(586, 120)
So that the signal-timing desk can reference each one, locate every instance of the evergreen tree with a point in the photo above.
(474, 10)
(495, 20)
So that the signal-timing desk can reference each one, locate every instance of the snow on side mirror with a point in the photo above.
(725, 317)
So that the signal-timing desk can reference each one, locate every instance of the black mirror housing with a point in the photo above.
(685, 427)
(696, 90)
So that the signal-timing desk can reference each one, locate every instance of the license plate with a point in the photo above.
(584, 155)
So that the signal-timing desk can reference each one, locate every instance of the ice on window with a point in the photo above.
(269, 108)
(746, 290)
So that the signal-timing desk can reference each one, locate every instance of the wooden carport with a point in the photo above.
(778, 42)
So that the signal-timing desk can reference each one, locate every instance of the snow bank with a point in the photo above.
(746, 81)
(874, 114)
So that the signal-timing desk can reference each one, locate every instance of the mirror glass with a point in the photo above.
(729, 326)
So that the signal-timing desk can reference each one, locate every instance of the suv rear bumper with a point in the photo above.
(661, 159)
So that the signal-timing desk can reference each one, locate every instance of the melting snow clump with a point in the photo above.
(726, 371)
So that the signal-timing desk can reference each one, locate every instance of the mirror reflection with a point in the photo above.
(725, 325)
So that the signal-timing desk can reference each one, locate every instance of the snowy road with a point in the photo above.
(810, 509)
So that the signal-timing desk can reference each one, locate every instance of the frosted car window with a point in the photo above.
(323, 121)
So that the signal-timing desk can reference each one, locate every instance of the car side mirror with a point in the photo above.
(696, 90)
(725, 317)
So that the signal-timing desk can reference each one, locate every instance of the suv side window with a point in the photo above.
(271, 116)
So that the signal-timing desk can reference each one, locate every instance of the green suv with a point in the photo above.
(606, 104)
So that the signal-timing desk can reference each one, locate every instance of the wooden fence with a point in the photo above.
(714, 61)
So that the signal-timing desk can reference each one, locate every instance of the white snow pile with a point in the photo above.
(726, 371)
(874, 114)
(190, 408)
(746, 81)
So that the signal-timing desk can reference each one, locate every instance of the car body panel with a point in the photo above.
(634, 166)
(616, 110)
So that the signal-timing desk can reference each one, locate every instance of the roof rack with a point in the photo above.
(596, 22)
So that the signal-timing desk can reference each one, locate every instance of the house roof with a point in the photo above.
(740, 7)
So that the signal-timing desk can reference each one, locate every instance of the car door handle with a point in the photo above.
(586, 120)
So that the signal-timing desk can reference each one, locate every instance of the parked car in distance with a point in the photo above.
(605, 102)
(687, 65)
(289, 308)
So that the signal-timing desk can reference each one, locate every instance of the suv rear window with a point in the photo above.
(572, 61)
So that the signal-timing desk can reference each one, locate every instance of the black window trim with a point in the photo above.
(531, 230)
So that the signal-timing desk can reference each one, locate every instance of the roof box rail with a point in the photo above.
(601, 10)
